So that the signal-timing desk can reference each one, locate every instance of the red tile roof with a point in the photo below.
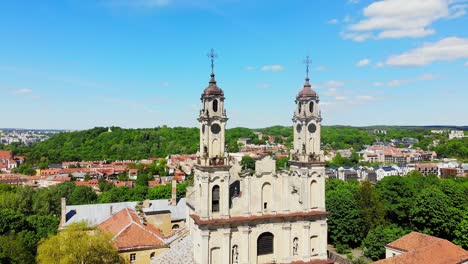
(130, 233)
(6, 154)
(425, 249)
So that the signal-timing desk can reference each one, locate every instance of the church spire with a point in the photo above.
(212, 88)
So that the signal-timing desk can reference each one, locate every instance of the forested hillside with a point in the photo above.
(121, 144)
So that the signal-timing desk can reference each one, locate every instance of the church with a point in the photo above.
(266, 216)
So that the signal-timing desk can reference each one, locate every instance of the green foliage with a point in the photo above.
(433, 213)
(374, 243)
(456, 148)
(82, 195)
(282, 163)
(461, 232)
(248, 162)
(345, 224)
(78, 245)
(371, 207)
(13, 250)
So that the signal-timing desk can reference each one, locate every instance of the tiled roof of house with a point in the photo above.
(130, 232)
(6, 154)
(421, 248)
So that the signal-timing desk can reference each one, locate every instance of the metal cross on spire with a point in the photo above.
(307, 63)
(212, 55)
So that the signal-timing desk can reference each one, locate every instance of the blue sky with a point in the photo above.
(76, 64)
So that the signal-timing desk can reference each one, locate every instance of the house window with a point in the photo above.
(215, 199)
(265, 244)
(175, 227)
(133, 257)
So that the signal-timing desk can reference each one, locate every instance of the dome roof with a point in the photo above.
(213, 89)
(307, 91)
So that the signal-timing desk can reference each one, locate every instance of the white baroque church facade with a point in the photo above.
(269, 216)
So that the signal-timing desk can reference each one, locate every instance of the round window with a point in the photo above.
(215, 129)
(299, 128)
(312, 128)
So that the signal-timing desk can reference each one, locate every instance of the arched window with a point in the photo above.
(152, 255)
(266, 196)
(215, 105)
(215, 199)
(265, 244)
(314, 194)
(311, 107)
(234, 191)
(175, 227)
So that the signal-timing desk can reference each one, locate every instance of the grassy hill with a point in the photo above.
(99, 144)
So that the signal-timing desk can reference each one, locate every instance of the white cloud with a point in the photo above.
(264, 85)
(320, 68)
(379, 64)
(402, 18)
(334, 84)
(447, 49)
(275, 67)
(424, 77)
(250, 68)
(353, 1)
(363, 62)
(466, 64)
(365, 97)
(22, 91)
(340, 98)
(378, 84)
(333, 21)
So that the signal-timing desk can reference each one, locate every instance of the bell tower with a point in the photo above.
(212, 121)
(307, 121)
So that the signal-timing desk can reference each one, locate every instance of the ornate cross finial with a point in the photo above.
(307, 63)
(212, 55)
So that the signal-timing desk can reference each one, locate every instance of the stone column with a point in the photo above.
(323, 240)
(286, 193)
(226, 248)
(286, 240)
(205, 246)
(244, 246)
(205, 197)
(225, 197)
(246, 194)
(306, 242)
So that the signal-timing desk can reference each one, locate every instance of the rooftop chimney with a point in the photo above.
(174, 193)
(64, 211)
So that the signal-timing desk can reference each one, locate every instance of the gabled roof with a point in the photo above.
(421, 248)
(129, 232)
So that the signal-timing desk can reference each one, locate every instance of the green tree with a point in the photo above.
(397, 197)
(374, 243)
(13, 250)
(461, 232)
(282, 163)
(372, 209)
(142, 180)
(83, 195)
(344, 221)
(78, 245)
(432, 213)
(248, 162)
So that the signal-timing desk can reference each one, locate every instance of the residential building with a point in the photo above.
(456, 134)
(417, 248)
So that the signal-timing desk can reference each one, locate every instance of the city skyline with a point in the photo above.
(142, 63)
